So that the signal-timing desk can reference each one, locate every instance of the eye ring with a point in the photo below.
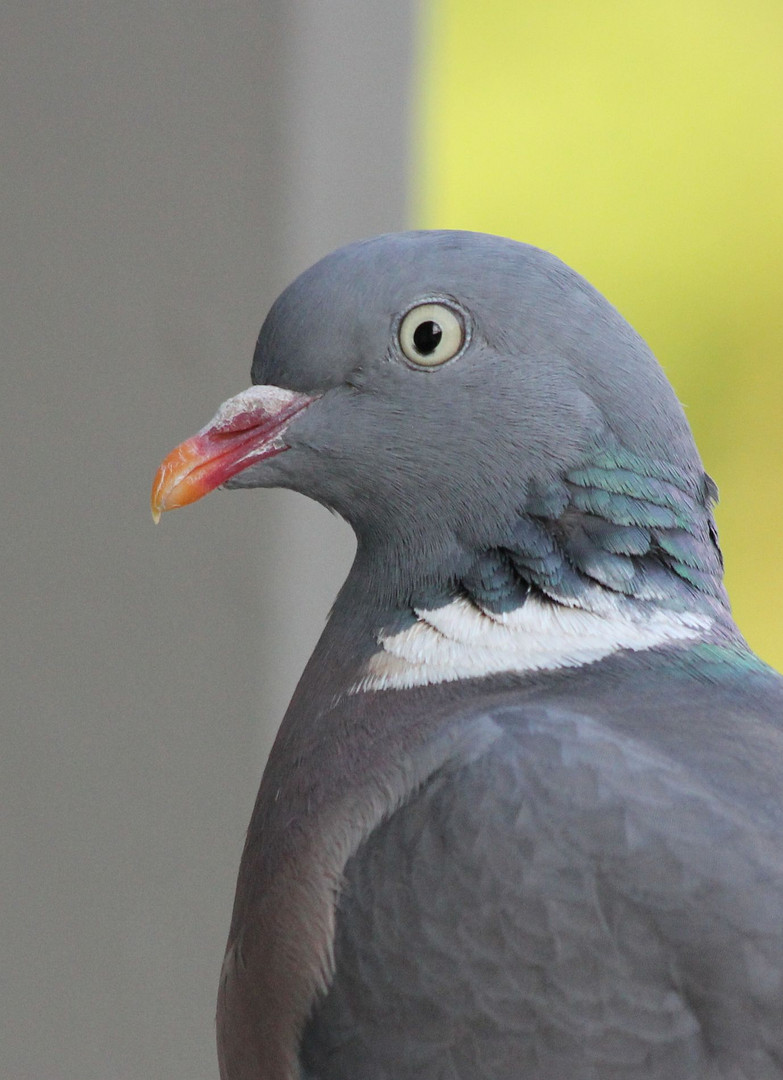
(431, 333)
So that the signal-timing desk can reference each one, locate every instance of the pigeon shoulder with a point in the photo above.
(631, 902)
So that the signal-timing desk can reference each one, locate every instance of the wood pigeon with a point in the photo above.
(523, 819)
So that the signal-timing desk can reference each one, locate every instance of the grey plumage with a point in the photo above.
(585, 900)
(523, 816)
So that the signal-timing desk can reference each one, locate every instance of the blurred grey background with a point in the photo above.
(169, 167)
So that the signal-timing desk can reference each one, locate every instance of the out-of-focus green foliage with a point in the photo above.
(643, 144)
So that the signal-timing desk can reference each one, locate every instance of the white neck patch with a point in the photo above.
(460, 641)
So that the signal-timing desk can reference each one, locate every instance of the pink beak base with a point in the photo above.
(245, 429)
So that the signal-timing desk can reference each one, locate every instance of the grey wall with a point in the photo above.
(170, 165)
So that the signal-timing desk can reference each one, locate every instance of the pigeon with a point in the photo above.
(523, 819)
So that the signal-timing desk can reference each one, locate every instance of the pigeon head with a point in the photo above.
(479, 414)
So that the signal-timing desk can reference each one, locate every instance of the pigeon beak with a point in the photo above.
(245, 429)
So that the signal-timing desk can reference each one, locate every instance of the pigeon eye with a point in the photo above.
(430, 334)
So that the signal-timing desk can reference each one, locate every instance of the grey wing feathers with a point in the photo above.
(572, 904)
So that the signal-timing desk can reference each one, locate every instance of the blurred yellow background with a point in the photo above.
(643, 144)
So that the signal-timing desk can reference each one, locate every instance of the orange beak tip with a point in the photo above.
(175, 482)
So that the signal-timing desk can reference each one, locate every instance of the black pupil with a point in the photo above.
(426, 337)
